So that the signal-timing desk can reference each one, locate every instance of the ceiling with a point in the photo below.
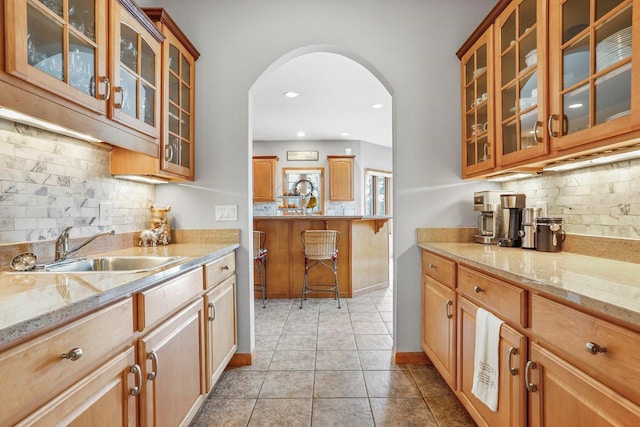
(335, 97)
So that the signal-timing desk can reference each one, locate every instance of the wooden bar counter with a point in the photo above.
(363, 253)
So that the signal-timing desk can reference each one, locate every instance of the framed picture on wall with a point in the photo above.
(302, 155)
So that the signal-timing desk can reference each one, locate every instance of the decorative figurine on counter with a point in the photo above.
(151, 237)
(160, 219)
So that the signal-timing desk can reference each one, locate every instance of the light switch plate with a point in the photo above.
(227, 213)
(105, 215)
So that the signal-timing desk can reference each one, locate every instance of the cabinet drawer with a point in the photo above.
(441, 269)
(507, 301)
(157, 303)
(568, 332)
(218, 270)
(34, 372)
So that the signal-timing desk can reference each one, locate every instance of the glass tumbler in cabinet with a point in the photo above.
(594, 81)
(477, 108)
(520, 35)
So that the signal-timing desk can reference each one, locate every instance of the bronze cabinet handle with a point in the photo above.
(135, 369)
(595, 349)
(153, 356)
(512, 352)
(530, 386)
(478, 289)
(73, 354)
(446, 309)
(212, 307)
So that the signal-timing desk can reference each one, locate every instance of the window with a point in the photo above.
(377, 193)
(291, 176)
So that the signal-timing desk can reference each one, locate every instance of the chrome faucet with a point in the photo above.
(62, 242)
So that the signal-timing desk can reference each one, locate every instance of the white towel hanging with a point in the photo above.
(486, 361)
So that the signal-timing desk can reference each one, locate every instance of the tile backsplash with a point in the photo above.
(49, 181)
(597, 201)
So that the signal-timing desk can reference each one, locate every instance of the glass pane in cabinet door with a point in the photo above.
(174, 89)
(528, 51)
(174, 119)
(526, 16)
(575, 63)
(508, 33)
(509, 138)
(482, 118)
(129, 96)
(481, 89)
(613, 41)
(82, 16)
(184, 154)
(129, 48)
(612, 92)
(81, 65)
(186, 71)
(470, 97)
(605, 6)
(186, 98)
(44, 43)
(575, 18)
(509, 102)
(576, 109)
(171, 150)
(529, 91)
(54, 5)
(482, 149)
(470, 124)
(481, 58)
(469, 70)
(147, 104)
(471, 153)
(185, 123)
(148, 61)
(174, 59)
(508, 67)
(528, 128)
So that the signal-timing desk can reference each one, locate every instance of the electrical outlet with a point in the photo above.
(227, 213)
(105, 215)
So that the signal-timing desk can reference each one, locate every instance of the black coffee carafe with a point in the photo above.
(515, 203)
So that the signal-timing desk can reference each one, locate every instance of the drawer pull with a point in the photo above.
(446, 309)
(530, 386)
(135, 369)
(212, 307)
(478, 289)
(224, 267)
(73, 354)
(433, 266)
(512, 352)
(153, 356)
(594, 348)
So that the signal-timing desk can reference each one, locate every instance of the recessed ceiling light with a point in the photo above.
(291, 94)
(300, 133)
(377, 106)
(344, 134)
(575, 105)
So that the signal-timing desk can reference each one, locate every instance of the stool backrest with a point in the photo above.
(259, 237)
(320, 244)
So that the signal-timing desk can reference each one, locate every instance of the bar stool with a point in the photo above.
(260, 262)
(320, 247)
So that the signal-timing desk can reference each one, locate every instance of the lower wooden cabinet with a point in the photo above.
(564, 396)
(220, 328)
(439, 327)
(171, 357)
(512, 407)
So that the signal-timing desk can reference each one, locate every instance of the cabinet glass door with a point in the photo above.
(595, 74)
(520, 133)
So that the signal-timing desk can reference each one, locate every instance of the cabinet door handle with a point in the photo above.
(153, 356)
(433, 266)
(135, 369)
(530, 386)
(107, 88)
(478, 289)
(446, 309)
(552, 117)
(73, 354)
(224, 267)
(512, 352)
(595, 349)
(212, 307)
(118, 90)
(536, 137)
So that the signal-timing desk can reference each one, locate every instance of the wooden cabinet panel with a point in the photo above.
(565, 396)
(171, 357)
(34, 372)
(265, 169)
(341, 178)
(218, 270)
(512, 408)
(507, 301)
(441, 269)
(580, 330)
(439, 327)
(220, 329)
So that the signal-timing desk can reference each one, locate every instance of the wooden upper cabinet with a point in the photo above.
(520, 58)
(264, 178)
(595, 89)
(341, 177)
(478, 130)
(61, 47)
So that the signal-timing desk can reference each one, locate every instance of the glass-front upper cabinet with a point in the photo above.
(478, 151)
(135, 69)
(60, 46)
(520, 33)
(595, 88)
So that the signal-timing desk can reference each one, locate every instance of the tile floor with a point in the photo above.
(324, 366)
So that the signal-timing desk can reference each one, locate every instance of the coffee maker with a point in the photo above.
(491, 219)
(515, 203)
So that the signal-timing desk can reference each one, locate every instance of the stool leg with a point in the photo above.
(261, 274)
(304, 282)
(335, 277)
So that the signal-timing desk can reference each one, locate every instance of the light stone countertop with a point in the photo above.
(31, 301)
(603, 285)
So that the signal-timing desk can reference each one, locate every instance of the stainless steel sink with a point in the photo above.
(128, 264)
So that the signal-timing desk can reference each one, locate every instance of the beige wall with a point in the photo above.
(49, 181)
(597, 201)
